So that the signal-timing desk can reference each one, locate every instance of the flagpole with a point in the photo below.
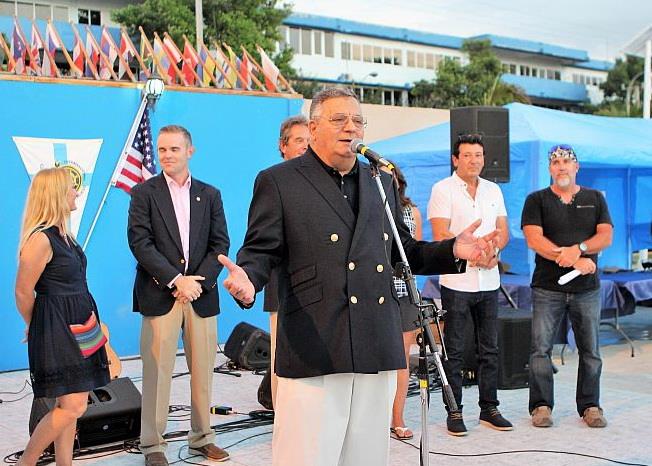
(119, 165)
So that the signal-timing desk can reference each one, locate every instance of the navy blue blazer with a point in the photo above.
(155, 241)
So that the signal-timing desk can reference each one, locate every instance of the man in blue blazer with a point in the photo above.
(176, 231)
(320, 219)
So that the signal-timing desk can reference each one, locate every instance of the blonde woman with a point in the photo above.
(66, 351)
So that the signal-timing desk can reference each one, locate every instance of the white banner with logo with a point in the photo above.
(78, 156)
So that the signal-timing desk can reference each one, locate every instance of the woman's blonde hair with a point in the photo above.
(47, 204)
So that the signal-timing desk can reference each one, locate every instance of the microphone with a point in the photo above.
(567, 277)
(357, 146)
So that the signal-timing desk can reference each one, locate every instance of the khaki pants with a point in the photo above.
(158, 347)
(333, 420)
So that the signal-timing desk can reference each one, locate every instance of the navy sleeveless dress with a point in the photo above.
(56, 364)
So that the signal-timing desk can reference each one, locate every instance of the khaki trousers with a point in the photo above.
(159, 337)
(333, 420)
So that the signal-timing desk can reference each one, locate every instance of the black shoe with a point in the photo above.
(455, 424)
(491, 417)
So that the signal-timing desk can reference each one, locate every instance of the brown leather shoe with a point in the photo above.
(542, 416)
(156, 459)
(594, 417)
(210, 451)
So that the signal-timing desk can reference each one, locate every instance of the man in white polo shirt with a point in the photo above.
(455, 203)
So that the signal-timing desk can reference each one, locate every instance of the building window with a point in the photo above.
(430, 61)
(42, 11)
(388, 56)
(421, 60)
(329, 44)
(295, 39)
(346, 50)
(357, 52)
(378, 55)
(367, 53)
(6, 8)
(558, 75)
(306, 46)
(93, 17)
(411, 61)
(398, 57)
(317, 35)
(525, 70)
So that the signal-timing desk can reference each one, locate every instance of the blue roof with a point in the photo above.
(372, 30)
(548, 88)
(599, 65)
(529, 46)
(62, 27)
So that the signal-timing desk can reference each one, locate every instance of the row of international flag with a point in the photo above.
(218, 66)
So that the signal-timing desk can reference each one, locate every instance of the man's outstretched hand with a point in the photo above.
(237, 283)
(472, 248)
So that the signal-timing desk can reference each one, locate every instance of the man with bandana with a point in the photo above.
(566, 225)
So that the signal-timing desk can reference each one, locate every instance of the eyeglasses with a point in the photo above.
(339, 120)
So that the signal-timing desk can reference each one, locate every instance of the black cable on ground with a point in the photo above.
(511, 452)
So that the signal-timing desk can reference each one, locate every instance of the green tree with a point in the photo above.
(237, 22)
(624, 81)
(476, 83)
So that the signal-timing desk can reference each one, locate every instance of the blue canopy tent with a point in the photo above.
(615, 156)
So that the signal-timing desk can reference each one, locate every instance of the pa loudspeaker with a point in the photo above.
(249, 347)
(514, 340)
(113, 414)
(493, 124)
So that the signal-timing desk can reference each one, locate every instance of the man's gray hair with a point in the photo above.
(329, 93)
(288, 124)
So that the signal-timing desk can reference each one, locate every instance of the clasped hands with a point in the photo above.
(187, 288)
(571, 256)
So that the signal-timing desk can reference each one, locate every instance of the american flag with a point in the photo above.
(138, 162)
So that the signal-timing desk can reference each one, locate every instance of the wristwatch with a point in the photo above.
(583, 247)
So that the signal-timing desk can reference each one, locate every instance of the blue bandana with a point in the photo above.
(561, 151)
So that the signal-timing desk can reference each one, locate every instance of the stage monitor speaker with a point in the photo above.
(514, 340)
(249, 347)
(493, 124)
(113, 414)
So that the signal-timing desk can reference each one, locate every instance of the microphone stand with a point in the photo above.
(425, 337)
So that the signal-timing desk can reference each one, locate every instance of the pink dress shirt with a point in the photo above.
(181, 201)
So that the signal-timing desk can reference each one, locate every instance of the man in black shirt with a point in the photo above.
(567, 226)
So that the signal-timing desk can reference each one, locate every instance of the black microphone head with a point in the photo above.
(356, 145)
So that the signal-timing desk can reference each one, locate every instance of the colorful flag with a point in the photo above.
(106, 45)
(127, 52)
(78, 55)
(232, 72)
(138, 162)
(35, 46)
(164, 59)
(18, 49)
(245, 70)
(78, 156)
(190, 62)
(52, 44)
(92, 53)
(208, 69)
(270, 71)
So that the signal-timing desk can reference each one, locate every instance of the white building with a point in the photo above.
(383, 62)
(95, 12)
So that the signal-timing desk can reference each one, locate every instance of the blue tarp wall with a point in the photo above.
(235, 135)
(615, 156)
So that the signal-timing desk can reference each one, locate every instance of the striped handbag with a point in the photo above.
(89, 336)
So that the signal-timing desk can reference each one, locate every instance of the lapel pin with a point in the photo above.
(198, 198)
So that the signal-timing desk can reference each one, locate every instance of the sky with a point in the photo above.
(601, 27)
